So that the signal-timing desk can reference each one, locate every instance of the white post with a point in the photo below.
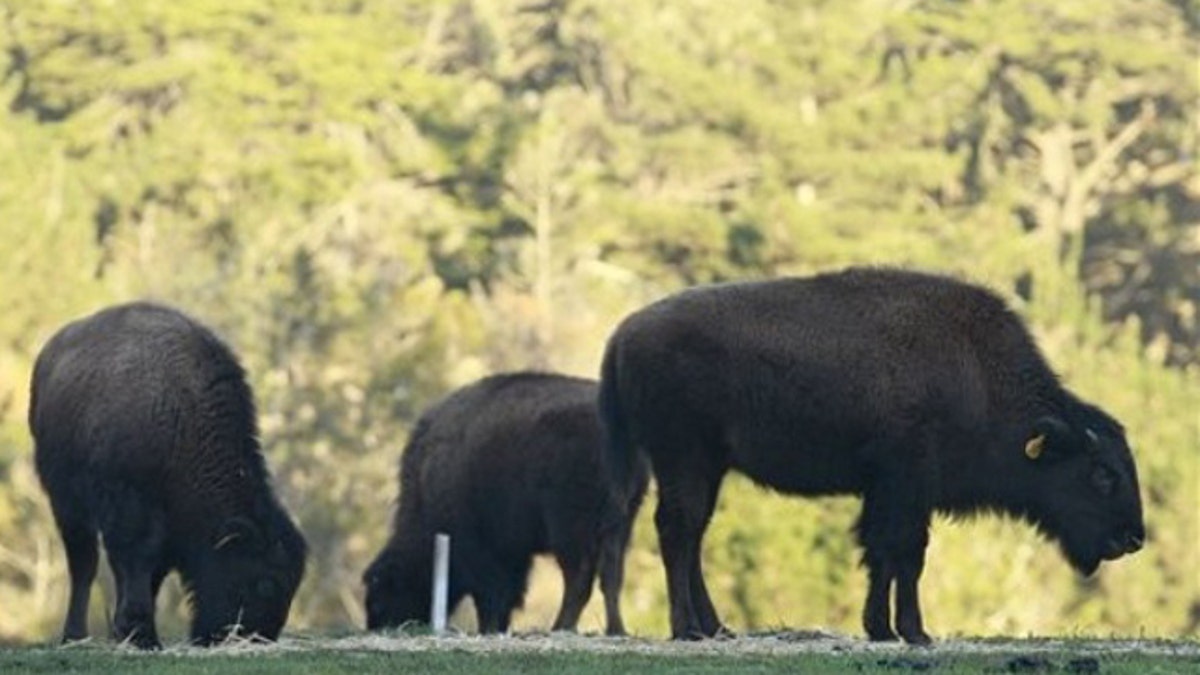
(441, 582)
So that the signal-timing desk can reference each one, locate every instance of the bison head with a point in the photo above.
(1086, 489)
(397, 593)
(246, 582)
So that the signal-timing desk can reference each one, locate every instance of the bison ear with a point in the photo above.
(278, 554)
(237, 530)
(1050, 438)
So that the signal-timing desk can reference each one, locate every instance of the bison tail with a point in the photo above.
(620, 455)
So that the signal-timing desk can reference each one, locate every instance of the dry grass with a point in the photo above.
(777, 643)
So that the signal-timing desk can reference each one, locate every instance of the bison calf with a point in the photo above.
(146, 434)
(918, 392)
(509, 467)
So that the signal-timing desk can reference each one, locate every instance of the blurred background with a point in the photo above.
(376, 202)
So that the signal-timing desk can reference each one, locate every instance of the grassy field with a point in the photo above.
(535, 654)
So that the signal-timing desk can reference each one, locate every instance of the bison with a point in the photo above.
(145, 434)
(918, 392)
(509, 467)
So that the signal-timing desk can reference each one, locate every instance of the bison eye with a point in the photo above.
(1104, 479)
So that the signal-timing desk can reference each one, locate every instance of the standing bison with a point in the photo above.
(918, 392)
(509, 467)
(146, 435)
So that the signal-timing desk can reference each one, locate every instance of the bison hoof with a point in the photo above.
(144, 642)
(723, 633)
(140, 637)
(691, 634)
(917, 638)
(695, 633)
(881, 634)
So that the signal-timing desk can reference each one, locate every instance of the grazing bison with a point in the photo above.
(509, 467)
(146, 434)
(918, 392)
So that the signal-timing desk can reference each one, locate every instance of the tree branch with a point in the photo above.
(1108, 154)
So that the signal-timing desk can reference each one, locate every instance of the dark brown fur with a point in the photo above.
(916, 391)
(509, 467)
(146, 435)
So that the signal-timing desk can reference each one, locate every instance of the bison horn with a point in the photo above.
(237, 528)
(232, 536)
(1033, 449)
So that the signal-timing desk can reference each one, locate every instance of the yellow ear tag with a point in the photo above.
(1033, 449)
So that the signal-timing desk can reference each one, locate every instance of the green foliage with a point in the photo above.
(376, 202)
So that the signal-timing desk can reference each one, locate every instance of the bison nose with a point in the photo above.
(1134, 543)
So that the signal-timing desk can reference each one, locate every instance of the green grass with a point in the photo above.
(418, 655)
(362, 662)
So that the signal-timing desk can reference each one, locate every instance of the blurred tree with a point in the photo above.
(1093, 138)
(375, 202)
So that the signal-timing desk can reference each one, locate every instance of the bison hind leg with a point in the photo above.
(612, 577)
(579, 574)
(79, 538)
(498, 591)
(687, 497)
(134, 535)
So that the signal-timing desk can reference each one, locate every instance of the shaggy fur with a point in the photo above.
(918, 392)
(509, 467)
(145, 432)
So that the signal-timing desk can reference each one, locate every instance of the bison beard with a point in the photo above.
(509, 467)
(919, 393)
(145, 434)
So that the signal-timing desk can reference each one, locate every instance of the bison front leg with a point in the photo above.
(877, 611)
(894, 531)
(908, 605)
(133, 536)
(134, 618)
(500, 591)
